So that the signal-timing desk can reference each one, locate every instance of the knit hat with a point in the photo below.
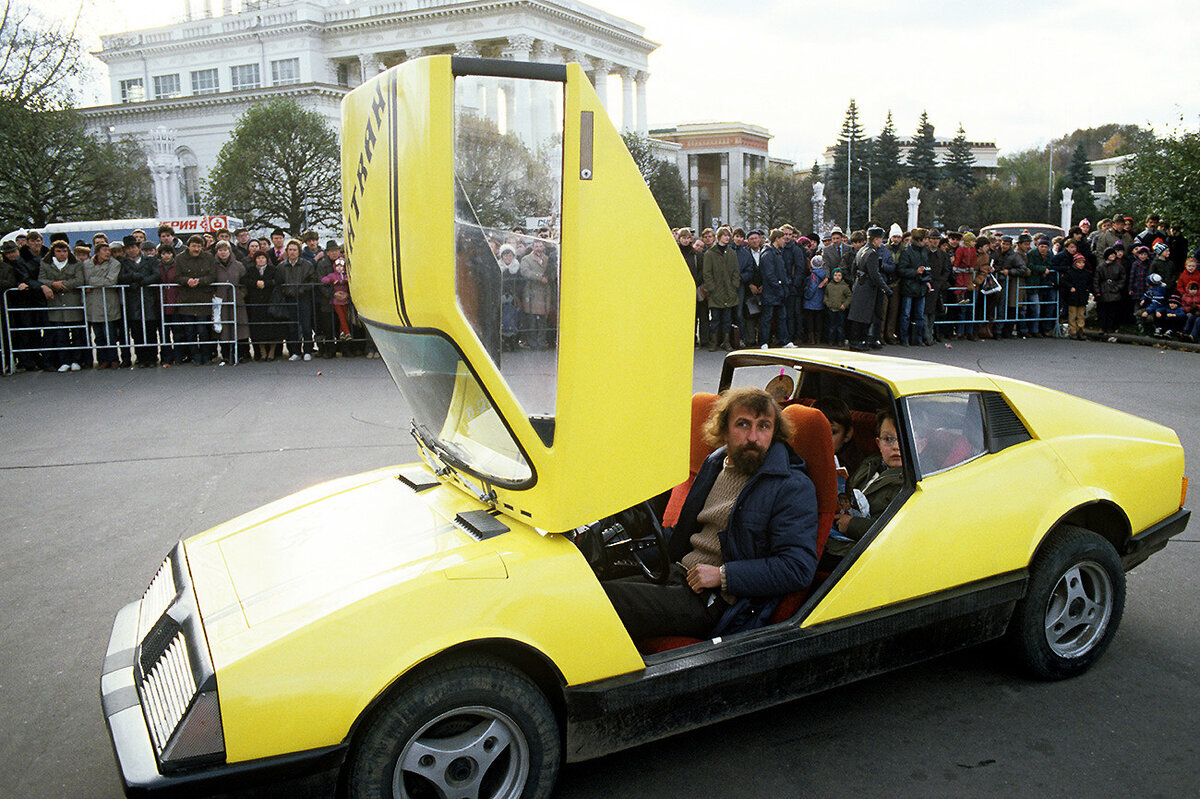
(968, 239)
(129, 241)
(1159, 248)
(1175, 298)
(1155, 279)
(1141, 248)
(1079, 260)
(895, 230)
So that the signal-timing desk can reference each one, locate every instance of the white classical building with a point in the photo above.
(715, 158)
(181, 88)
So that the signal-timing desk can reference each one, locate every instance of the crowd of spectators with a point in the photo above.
(918, 287)
(215, 298)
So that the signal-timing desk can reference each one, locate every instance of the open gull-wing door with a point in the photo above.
(551, 370)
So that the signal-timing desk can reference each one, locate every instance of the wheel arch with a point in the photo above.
(529, 661)
(1101, 516)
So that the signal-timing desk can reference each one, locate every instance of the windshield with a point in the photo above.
(451, 411)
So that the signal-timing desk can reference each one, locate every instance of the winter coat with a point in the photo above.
(1191, 303)
(257, 298)
(692, 259)
(721, 276)
(1015, 262)
(8, 275)
(195, 300)
(1040, 272)
(769, 543)
(169, 289)
(837, 255)
(749, 270)
(795, 258)
(233, 299)
(103, 302)
(63, 306)
(339, 286)
(939, 270)
(1185, 279)
(774, 275)
(868, 285)
(1075, 284)
(1109, 282)
(962, 269)
(1136, 277)
(913, 269)
(837, 295)
(814, 293)
(538, 292)
(141, 297)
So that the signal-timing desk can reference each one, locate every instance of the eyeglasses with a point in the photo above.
(891, 441)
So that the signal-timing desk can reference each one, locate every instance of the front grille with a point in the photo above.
(158, 597)
(167, 691)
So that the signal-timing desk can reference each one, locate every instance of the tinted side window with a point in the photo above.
(947, 430)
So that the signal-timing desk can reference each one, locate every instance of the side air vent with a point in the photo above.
(418, 478)
(1004, 427)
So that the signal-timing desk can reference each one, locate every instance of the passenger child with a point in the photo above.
(879, 478)
(845, 458)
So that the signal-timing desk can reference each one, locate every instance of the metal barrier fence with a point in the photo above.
(164, 329)
(1035, 308)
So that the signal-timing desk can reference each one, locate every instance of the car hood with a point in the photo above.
(303, 556)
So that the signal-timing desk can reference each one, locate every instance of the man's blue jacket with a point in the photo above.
(770, 543)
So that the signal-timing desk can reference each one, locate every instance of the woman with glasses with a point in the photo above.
(879, 479)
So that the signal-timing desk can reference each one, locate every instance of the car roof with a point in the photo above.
(904, 375)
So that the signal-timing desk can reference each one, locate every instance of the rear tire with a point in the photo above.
(1073, 605)
(472, 727)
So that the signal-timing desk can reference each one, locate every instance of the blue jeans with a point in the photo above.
(780, 314)
(912, 311)
(720, 320)
(837, 327)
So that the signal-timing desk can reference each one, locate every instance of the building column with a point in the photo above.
(643, 124)
(736, 160)
(600, 81)
(370, 65)
(627, 121)
(466, 49)
(546, 53)
(163, 165)
(724, 211)
(693, 173)
(413, 53)
(520, 101)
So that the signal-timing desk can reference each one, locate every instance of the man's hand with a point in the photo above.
(703, 576)
(842, 521)
(193, 281)
(49, 292)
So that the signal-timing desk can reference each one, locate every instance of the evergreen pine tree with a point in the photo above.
(961, 161)
(922, 157)
(886, 168)
(856, 149)
(1082, 182)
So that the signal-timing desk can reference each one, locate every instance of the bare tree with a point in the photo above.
(39, 60)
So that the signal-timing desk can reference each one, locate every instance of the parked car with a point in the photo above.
(440, 629)
(1015, 229)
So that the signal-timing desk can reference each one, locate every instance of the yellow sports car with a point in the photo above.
(441, 629)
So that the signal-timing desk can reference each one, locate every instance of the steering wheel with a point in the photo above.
(656, 569)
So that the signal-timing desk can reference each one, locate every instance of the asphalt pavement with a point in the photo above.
(101, 472)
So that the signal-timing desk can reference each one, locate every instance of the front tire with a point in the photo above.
(471, 728)
(1073, 605)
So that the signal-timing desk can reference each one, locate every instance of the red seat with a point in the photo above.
(702, 405)
(813, 441)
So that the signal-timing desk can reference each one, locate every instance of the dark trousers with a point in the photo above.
(300, 331)
(649, 609)
(720, 322)
(192, 337)
(780, 314)
(144, 334)
(837, 327)
(702, 319)
(63, 335)
(26, 325)
(106, 336)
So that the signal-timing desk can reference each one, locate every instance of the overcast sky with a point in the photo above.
(1018, 73)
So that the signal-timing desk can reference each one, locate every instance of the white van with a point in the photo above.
(117, 229)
